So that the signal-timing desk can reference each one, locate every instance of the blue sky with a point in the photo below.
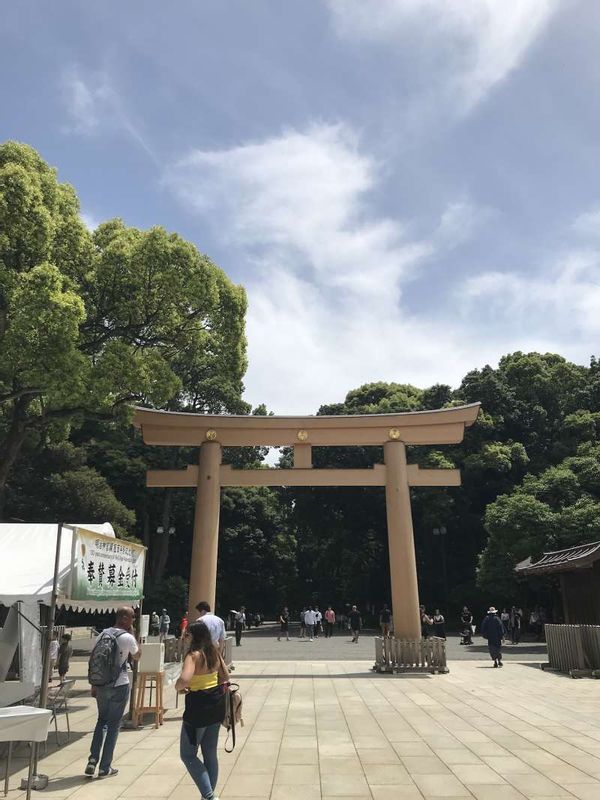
(408, 189)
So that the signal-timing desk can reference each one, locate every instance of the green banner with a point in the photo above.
(105, 568)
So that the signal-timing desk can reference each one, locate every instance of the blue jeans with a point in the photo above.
(111, 701)
(205, 774)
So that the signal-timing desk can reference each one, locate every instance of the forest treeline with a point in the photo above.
(92, 323)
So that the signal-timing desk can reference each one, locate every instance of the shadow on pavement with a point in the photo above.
(511, 650)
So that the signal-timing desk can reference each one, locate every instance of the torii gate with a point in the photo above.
(392, 431)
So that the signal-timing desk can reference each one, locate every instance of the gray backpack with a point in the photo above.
(105, 660)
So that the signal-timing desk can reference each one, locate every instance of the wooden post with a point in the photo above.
(203, 575)
(564, 597)
(403, 565)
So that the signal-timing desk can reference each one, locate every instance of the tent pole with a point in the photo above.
(134, 666)
(51, 617)
(47, 641)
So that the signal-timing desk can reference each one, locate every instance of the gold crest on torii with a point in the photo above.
(391, 431)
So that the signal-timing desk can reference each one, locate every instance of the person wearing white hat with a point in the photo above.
(492, 630)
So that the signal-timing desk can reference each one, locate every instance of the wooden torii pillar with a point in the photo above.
(392, 431)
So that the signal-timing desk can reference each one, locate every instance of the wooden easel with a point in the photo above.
(149, 681)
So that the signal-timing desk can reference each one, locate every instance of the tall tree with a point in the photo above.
(91, 323)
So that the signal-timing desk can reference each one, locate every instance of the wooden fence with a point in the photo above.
(405, 655)
(574, 649)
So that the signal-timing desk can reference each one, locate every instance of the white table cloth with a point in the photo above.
(24, 724)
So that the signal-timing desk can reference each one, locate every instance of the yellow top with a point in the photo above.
(207, 681)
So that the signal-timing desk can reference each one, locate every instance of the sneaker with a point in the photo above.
(495, 664)
(108, 773)
(500, 664)
(91, 767)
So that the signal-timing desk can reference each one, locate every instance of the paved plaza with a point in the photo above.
(332, 729)
(261, 644)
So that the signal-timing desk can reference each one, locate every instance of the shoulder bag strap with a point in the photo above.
(232, 689)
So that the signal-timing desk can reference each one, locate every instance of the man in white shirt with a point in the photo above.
(215, 624)
(240, 624)
(310, 618)
(111, 698)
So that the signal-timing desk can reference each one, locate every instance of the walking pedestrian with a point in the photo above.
(515, 625)
(355, 623)
(164, 623)
(310, 619)
(108, 676)
(240, 624)
(318, 620)
(215, 624)
(466, 621)
(491, 629)
(505, 620)
(385, 621)
(65, 651)
(426, 622)
(203, 676)
(329, 622)
(303, 623)
(439, 624)
(154, 624)
(183, 625)
(284, 621)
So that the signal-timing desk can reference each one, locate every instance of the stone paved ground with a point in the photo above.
(261, 643)
(324, 730)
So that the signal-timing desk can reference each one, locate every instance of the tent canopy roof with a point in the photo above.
(27, 563)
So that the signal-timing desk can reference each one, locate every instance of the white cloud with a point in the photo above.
(588, 223)
(300, 198)
(323, 272)
(325, 275)
(560, 304)
(469, 45)
(95, 107)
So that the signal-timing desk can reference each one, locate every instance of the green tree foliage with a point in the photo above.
(257, 552)
(531, 479)
(557, 508)
(89, 323)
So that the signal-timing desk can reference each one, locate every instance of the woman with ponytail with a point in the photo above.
(202, 680)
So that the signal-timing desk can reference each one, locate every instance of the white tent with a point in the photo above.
(28, 552)
(27, 558)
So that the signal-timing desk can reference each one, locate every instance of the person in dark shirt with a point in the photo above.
(385, 622)
(65, 651)
(355, 623)
(466, 621)
(492, 630)
(426, 622)
(284, 622)
(439, 624)
(515, 625)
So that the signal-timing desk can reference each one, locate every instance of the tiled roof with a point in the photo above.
(582, 555)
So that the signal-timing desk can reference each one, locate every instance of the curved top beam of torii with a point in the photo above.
(442, 426)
